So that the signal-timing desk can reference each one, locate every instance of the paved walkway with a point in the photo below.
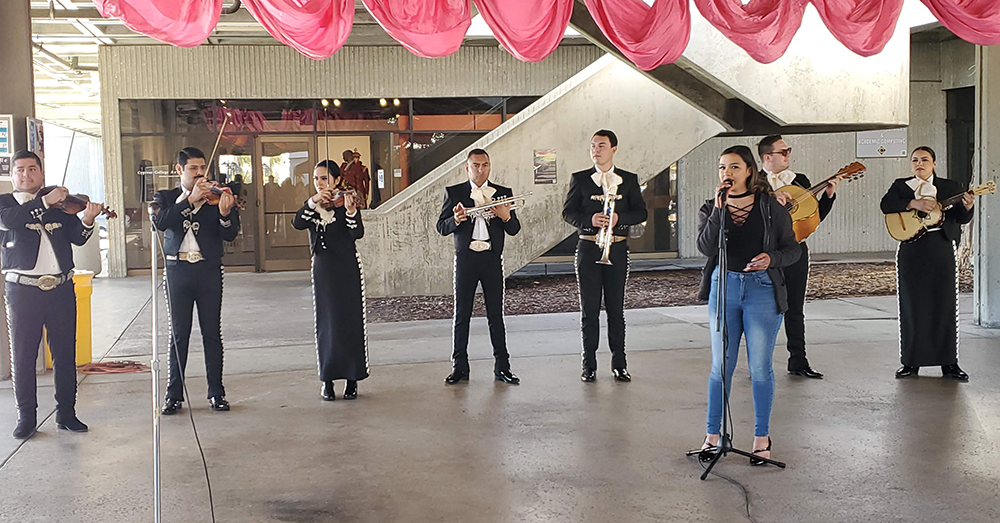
(860, 445)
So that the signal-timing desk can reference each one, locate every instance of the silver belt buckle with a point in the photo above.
(47, 283)
(194, 257)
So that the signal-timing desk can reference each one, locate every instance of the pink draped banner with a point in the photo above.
(976, 21)
(529, 29)
(184, 23)
(428, 28)
(863, 26)
(649, 36)
(317, 28)
(762, 28)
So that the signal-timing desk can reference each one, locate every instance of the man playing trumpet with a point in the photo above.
(585, 210)
(478, 259)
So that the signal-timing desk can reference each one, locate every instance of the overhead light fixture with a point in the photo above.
(223, 102)
(336, 102)
(395, 101)
(325, 102)
(382, 102)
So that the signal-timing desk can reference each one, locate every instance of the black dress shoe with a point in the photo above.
(757, 461)
(171, 406)
(907, 371)
(327, 392)
(456, 376)
(218, 403)
(806, 373)
(25, 428)
(70, 423)
(621, 375)
(351, 392)
(588, 375)
(954, 372)
(507, 376)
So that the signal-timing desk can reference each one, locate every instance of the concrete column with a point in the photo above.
(987, 167)
(17, 97)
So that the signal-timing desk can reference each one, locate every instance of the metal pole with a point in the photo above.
(154, 366)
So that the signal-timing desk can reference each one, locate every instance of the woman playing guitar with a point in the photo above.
(925, 269)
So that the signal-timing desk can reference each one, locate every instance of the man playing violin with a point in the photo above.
(775, 157)
(37, 263)
(196, 218)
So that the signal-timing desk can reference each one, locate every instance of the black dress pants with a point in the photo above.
(796, 276)
(189, 284)
(594, 280)
(471, 269)
(28, 310)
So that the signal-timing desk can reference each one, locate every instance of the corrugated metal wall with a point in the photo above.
(279, 72)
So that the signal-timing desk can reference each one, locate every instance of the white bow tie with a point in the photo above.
(609, 181)
(779, 180)
(923, 188)
(482, 195)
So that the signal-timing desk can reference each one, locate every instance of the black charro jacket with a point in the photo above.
(21, 227)
(899, 196)
(462, 193)
(175, 218)
(585, 199)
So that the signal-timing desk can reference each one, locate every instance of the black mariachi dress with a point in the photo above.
(927, 284)
(338, 291)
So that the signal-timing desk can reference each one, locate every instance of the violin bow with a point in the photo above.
(217, 140)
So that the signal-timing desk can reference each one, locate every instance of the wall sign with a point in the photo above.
(890, 143)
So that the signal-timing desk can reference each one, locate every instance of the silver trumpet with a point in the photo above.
(486, 211)
(606, 236)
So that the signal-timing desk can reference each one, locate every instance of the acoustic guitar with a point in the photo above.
(803, 205)
(909, 226)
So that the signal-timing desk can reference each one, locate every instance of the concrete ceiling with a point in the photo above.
(67, 33)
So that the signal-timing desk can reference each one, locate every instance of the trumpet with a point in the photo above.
(486, 211)
(605, 236)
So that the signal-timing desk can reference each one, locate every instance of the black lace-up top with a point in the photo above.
(745, 234)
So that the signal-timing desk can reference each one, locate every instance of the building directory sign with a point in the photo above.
(6, 122)
(890, 143)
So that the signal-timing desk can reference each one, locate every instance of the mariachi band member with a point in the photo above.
(775, 157)
(37, 255)
(333, 219)
(196, 218)
(584, 209)
(925, 270)
(478, 259)
(760, 243)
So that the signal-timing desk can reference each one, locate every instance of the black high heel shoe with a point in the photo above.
(708, 452)
(351, 392)
(758, 461)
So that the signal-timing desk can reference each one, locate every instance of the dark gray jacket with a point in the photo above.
(779, 244)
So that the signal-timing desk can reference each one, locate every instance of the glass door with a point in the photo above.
(284, 182)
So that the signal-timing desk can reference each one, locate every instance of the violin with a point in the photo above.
(341, 191)
(215, 195)
(75, 203)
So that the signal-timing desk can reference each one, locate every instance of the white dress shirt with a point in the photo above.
(482, 196)
(190, 241)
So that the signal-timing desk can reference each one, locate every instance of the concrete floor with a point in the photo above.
(860, 445)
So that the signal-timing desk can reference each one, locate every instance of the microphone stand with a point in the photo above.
(154, 366)
(725, 445)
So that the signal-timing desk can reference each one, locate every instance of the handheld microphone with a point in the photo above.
(725, 188)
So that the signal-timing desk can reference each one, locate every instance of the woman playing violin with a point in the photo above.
(333, 219)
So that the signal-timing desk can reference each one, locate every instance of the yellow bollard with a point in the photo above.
(83, 283)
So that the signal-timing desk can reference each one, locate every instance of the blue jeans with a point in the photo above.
(750, 309)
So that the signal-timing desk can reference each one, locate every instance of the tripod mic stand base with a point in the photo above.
(724, 447)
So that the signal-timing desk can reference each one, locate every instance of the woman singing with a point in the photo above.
(759, 242)
(334, 223)
(925, 270)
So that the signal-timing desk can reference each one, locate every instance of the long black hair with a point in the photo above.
(755, 182)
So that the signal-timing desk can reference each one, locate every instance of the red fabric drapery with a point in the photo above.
(428, 28)
(976, 21)
(529, 29)
(184, 23)
(763, 28)
(649, 36)
(863, 26)
(317, 28)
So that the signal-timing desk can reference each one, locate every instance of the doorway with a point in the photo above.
(284, 181)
